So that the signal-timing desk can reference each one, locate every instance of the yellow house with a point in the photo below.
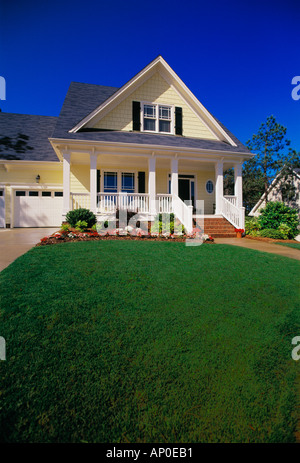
(147, 147)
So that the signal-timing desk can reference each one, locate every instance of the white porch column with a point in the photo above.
(66, 182)
(152, 184)
(219, 186)
(93, 182)
(174, 177)
(238, 184)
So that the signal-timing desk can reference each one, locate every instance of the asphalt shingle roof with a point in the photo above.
(37, 128)
(82, 99)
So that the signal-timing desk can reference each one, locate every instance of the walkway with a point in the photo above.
(261, 246)
(15, 242)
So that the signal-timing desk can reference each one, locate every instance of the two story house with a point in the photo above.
(147, 147)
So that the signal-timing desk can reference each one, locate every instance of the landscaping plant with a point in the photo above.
(81, 214)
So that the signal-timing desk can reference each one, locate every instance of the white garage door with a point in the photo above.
(38, 208)
(2, 208)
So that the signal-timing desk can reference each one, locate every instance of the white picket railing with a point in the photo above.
(110, 202)
(80, 200)
(164, 203)
(235, 215)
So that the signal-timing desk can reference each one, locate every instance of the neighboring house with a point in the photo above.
(277, 192)
(149, 146)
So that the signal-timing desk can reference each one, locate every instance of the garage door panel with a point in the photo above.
(38, 211)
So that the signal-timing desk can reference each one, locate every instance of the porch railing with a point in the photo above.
(80, 200)
(183, 212)
(235, 215)
(232, 199)
(134, 202)
(164, 203)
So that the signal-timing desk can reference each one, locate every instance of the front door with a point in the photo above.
(184, 189)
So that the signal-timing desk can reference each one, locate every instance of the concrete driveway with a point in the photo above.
(17, 241)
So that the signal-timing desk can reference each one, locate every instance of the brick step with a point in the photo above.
(223, 235)
(218, 227)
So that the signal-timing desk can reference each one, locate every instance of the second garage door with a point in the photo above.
(38, 208)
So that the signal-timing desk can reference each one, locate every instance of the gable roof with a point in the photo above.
(82, 98)
(37, 128)
(295, 171)
(161, 66)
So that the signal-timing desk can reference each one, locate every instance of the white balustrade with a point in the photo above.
(235, 215)
(80, 200)
(134, 202)
(164, 203)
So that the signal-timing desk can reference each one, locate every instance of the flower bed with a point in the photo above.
(73, 235)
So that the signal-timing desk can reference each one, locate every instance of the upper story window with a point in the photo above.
(157, 118)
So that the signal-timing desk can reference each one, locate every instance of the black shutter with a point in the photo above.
(98, 181)
(141, 182)
(136, 115)
(178, 121)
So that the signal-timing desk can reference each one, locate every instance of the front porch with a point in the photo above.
(148, 184)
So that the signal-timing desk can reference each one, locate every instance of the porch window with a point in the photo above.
(110, 182)
(128, 182)
(157, 118)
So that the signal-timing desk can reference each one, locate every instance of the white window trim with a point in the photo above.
(172, 121)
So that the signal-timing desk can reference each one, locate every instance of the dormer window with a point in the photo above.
(157, 118)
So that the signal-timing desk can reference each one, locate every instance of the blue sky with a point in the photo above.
(237, 57)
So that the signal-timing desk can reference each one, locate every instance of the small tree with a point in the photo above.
(270, 145)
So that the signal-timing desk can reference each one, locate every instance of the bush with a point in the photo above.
(81, 225)
(271, 233)
(161, 223)
(65, 227)
(277, 213)
(285, 231)
(85, 215)
(252, 226)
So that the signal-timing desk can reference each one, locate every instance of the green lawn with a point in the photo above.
(131, 341)
(290, 245)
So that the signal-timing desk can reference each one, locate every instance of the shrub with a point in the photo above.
(252, 226)
(277, 213)
(65, 227)
(81, 225)
(81, 215)
(270, 233)
(285, 231)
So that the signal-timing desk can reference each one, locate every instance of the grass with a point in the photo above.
(148, 342)
(290, 245)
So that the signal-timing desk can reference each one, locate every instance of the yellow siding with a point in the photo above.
(162, 181)
(155, 90)
(80, 179)
(209, 199)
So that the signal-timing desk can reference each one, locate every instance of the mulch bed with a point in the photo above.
(62, 237)
(269, 240)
